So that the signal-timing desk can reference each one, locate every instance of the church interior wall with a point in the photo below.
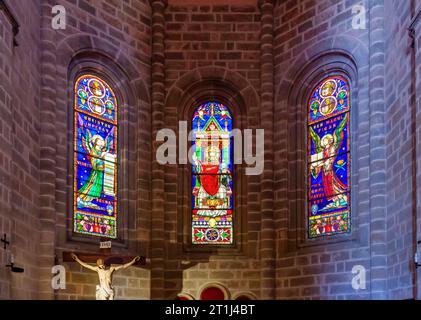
(212, 51)
(20, 150)
(400, 157)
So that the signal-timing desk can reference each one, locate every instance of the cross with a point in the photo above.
(105, 254)
(5, 241)
(108, 259)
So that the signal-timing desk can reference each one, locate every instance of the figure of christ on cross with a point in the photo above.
(105, 290)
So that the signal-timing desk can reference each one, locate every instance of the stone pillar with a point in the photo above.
(158, 104)
(377, 154)
(415, 34)
(47, 157)
(417, 147)
(7, 135)
(267, 244)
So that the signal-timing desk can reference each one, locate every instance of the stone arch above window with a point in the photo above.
(99, 66)
(196, 88)
(295, 95)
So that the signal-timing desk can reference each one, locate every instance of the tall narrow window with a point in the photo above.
(95, 158)
(329, 160)
(212, 203)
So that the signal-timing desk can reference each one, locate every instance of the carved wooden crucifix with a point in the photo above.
(105, 267)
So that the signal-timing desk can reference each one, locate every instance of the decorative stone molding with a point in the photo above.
(15, 25)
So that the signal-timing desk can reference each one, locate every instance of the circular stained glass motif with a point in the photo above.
(96, 88)
(212, 235)
(328, 106)
(328, 88)
(330, 98)
(96, 105)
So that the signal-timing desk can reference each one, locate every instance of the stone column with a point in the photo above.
(158, 103)
(47, 157)
(414, 33)
(377, 154)
(267, 244)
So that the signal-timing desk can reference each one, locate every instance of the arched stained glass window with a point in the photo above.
(329, 159)
(95, 158)
(212, 202)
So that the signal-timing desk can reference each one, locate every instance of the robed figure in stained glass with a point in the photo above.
(212, 184)
(327, 149)
(95, 158)
(212, 175)
(97, 149)
(329, 159)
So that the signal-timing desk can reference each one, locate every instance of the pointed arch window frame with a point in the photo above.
(198, 93)
(133, 215)
(293, 96)
(236, 106)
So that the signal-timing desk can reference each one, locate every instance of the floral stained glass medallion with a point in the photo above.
(328, 158)
(95, 158)
(212, 183)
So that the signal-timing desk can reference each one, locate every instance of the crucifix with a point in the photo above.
(105, 267)
(5, 241)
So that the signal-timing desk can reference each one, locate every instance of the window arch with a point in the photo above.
(212, 183)
(95, 161)
(329, 158)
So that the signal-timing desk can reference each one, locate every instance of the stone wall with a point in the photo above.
(400, 113)
(417, 57)
(312, 39)
(211, 52)
(20, 85)
(112, 38)
(320, 34)
(261, 58)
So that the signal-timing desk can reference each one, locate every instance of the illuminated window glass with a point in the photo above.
(212, 202)
(328, 158)
(95, 158)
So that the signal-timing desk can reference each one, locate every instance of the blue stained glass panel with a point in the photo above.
(329, 158)
(95, 158)
(212, 183)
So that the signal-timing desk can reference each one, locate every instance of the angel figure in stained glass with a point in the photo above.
(97, 149)
(326, 149)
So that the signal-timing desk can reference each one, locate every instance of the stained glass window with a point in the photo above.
(212, 202)
(329, 159)
(95, 158)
